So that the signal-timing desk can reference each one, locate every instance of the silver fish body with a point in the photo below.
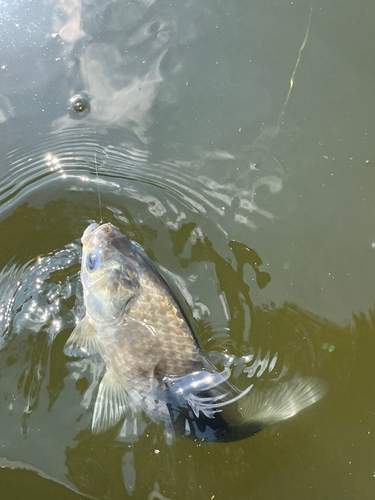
(153, 360)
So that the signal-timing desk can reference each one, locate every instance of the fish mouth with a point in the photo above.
(94, 227)
(88, 231)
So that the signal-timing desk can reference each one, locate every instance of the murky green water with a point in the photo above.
(254, 197)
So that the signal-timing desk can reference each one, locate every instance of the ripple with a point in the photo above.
(84, 159)
(51, 160)
(34, 296)
(9, 286)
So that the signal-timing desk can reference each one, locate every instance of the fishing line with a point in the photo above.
(97, 184)
(291, 82)
(96, 163)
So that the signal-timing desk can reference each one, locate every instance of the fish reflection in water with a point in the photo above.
(153, 360)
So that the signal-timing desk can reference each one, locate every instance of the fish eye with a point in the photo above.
(93, 261)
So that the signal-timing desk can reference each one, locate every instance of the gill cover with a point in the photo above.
(108, 298)
(108, 282)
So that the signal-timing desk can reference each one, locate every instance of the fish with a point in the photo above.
(154, 363)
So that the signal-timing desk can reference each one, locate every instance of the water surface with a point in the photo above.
(234, 142)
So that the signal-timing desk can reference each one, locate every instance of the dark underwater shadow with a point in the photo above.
(19, 481)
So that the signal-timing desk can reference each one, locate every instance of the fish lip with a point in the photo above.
(88, 233)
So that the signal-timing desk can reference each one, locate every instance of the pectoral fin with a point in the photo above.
(202, 391)
(83, 340)
(110, 405)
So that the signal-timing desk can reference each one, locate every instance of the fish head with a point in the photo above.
(109, 273)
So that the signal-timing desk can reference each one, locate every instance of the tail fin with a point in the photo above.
(206, 406)
(281, 402)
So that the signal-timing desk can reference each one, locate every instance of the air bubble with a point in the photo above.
(79, 105)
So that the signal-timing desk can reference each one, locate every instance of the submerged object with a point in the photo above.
(153, 360)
